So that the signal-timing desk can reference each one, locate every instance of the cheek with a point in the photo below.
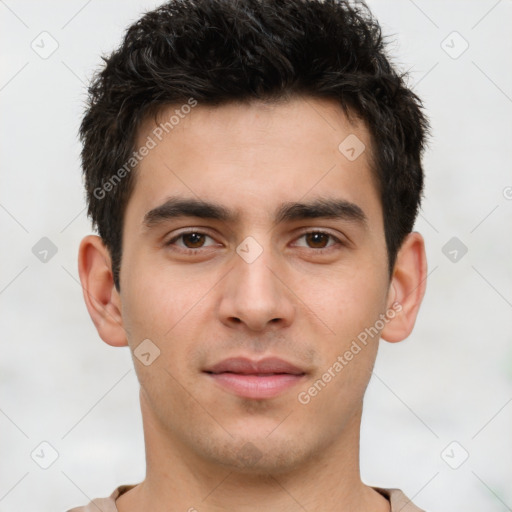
(348, 353)
(348, 303)
(171, 312)
(153, 301)
(153, 311)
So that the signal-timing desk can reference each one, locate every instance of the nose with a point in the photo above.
(255, 295)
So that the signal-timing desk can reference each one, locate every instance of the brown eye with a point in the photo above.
(317, 240)
(190, 241)
(193, 240)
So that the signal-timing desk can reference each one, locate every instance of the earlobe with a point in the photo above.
(407, 288)
(100, 295)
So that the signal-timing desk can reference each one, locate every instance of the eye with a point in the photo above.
(319, 240)
(190, 240)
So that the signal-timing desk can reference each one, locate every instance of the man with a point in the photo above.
(254, 172)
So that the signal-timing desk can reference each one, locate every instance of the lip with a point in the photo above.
(261, 379)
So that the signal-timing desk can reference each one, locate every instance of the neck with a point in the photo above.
(178, 477)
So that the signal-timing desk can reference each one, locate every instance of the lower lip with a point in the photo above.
(255, 386)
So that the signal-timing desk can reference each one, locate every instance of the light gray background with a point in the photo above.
(450, 381)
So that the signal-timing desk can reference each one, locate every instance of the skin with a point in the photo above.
(302, 300)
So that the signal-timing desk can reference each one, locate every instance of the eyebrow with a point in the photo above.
(177, 207)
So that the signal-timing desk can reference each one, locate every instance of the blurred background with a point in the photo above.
(438, 412)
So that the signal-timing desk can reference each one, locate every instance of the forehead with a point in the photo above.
(275, 122)
(254, 155)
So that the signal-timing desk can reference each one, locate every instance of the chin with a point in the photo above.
(257, 454)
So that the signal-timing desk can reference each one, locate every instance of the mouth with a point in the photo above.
(262, 379)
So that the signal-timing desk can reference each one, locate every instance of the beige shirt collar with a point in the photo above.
(399, 501)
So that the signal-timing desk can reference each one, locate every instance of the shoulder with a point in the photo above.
(398, 500)
(104, 504)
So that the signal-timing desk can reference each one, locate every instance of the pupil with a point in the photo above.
(195, 239)
(316, 238)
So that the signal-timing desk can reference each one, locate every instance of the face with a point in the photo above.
(252, 300)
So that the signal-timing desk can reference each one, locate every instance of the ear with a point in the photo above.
(407, 288)
(101, 297)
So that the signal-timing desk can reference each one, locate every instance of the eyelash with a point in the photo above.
(188, 250)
